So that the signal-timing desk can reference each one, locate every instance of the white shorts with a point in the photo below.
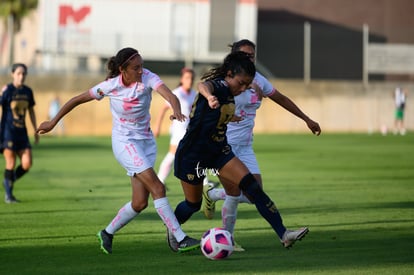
(176, 136)
(136, 155)
(246, 154)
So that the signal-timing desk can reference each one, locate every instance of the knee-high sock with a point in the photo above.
(19, 172)
(263, 203)
(166, 213)
(244, 199)
(220, 194)
(8, 183)
(217, 194)
(124, 216)
(165, 166)
(229, 213)
(185, 210)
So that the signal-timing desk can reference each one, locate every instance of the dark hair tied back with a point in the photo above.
(235, 63)
(121, 59)
(235, 47)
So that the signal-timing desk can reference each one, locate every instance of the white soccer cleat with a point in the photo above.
(291, 236)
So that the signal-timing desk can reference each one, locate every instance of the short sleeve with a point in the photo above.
(265, 85)
(100, 90)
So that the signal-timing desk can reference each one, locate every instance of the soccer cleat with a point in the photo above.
(172, 241)
(105, 240)
(291, 236)
(11, 199)
(238, 247)
(209, 206)
(188, 244)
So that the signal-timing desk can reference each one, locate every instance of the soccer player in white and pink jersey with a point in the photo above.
(186, 95)
(240, 137)
(129, 87)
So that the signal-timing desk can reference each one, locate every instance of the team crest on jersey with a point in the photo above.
(100, 92)
(226, 150)
(190, 177)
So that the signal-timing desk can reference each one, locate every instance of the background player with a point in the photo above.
(16, 100)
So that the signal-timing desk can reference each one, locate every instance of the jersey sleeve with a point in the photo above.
(154, 81)
(265, 85)
(101, 90)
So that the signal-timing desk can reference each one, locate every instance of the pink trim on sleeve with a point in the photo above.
(92, 94)
(158, 84)
(272, 93)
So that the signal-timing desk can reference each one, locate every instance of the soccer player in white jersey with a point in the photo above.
(240, 137)
(129, 87)
(186, 95)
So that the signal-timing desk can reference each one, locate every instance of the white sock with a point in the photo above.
(217, 194)
(165, 166)
(220, 194)
(244, 199)
(166, 213)
(124, 216)
(229, 213)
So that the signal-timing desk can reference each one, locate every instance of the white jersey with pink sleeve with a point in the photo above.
(129, 105)
(247, 103)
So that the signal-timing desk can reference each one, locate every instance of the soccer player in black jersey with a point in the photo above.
(204, 148)
(16, 100)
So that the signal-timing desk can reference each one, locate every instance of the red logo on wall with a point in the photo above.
(68, 13)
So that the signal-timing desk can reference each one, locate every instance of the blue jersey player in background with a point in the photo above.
(16, 100)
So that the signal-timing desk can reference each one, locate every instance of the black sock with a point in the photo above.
(19, 172)
(263, 203)
(185, 210)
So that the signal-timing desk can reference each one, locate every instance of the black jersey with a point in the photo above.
(15, 102)
(208, 126)
(204, 145)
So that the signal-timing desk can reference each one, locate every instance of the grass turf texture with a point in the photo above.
(355, 192)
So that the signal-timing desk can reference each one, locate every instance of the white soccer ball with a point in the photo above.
(217, 243)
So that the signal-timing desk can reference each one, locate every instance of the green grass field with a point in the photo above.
(355, 193)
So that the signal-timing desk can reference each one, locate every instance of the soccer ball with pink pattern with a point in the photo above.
(217, 243)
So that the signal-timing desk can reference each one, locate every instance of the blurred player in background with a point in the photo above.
(240, 132)
(16, 100)
(400, 99)
(186, 95)
(129, 86)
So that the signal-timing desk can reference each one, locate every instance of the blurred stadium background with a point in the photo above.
(340, 61)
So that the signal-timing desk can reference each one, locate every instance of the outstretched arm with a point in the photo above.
(289, 105)
(47, 126)
(166, 93)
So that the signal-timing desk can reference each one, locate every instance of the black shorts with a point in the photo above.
(193, 163)
(15, 144)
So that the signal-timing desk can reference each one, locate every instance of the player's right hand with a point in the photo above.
(213, 102)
